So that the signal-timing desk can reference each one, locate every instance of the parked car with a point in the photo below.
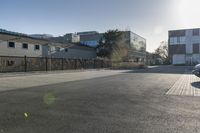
(196, 70)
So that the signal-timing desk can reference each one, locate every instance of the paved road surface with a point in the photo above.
(15, 81)
(125, 103)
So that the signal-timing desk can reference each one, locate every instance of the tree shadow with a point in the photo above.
(165, 70)
(196, 84)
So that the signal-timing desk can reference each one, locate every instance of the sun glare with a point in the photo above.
(189, 12)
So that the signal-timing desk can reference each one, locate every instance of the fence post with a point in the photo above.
(50, 66)
(94, 63)
(75, 63)
(68, 64)
(46, 62)
(25, 63)
(84, 61)
(62, 63)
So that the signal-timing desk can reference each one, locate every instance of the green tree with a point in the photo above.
(112, 45)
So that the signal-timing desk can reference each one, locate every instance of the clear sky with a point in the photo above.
(149, 18)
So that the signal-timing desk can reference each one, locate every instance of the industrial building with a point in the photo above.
(18, 44)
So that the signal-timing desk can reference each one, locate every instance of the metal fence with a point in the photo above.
(25, 64)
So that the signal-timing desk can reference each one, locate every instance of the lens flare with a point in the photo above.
(49, 98)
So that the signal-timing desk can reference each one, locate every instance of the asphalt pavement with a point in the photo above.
(129, 102)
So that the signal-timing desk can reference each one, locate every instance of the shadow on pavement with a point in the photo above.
(196, 84)
(165, 70)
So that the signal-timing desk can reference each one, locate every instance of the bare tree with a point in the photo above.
(162, 52)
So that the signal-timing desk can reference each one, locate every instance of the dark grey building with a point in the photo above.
(90, 38)
(72, 38)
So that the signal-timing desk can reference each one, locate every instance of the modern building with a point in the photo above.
(136, 46)
(17, 44)
(131, 48)
(67, 38)
(184, 46)
(90, 38)
(72, 38)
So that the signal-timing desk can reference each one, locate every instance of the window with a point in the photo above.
(57, 49)
(66, 49)
(49, 48)
(171, 40)
(178, 40)
(182, 40)
(11, 45)
(10, 63)
(37, 47)
(25, 46)
(195, 48)
(195, 32)
(175, 40)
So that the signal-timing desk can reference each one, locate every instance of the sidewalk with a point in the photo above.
(187, 85)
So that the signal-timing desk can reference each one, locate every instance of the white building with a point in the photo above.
(184, 46)
(17, 44)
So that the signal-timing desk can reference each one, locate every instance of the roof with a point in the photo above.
(5, 32)
(91, 37)
(183, 29)
(135, 34)
(63, 42)
(87, 32)
(24, 38)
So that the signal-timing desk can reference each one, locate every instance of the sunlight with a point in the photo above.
(189, 12)
(158, 29)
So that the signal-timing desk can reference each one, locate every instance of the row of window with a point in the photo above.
(24, 45)
(195, 47)
(36, 47)
(90, 43)
(177, 40)
(195, 32)
(57, 49)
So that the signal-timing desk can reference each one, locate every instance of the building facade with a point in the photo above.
(135, 47)
(67, 38)
(72, 38)
(71, 51)
(184, 46)
(137, 50)
(17, 44)
(90, 38)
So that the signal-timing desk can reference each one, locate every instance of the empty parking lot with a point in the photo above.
(129, 101)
